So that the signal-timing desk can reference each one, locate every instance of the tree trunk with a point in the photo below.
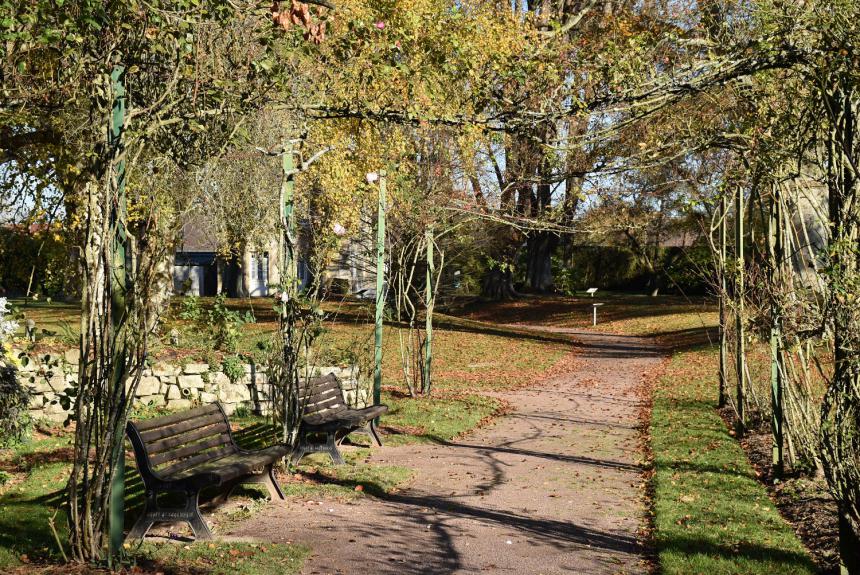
(840, 409)
(849, 544)
(541, 247)
(654, 283)
(499, 285)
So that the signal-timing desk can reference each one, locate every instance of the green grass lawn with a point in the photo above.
(32, 496)
(469, 358)
(711, 514)
(435, 419)
(632, 314)
(222, 558)
(467, 355)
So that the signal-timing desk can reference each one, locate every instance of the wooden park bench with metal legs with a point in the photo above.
(326, 418)
(186, 452)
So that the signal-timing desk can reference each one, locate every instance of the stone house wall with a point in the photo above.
(172, 386)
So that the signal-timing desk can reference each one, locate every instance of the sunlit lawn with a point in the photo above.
(712, 515)
(469, 357)
(632, 314)
(465, 354)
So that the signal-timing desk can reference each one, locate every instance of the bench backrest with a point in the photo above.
(177, 442)
(322, 399)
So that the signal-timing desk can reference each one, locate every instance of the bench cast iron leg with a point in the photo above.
(225, 493)
(195, 519)
(371, 431)
(300, 449)
(153, 514)
(145, 521)
(267, 478)
(272, 484)
(340, 436)
(331, 447)
(306, 446)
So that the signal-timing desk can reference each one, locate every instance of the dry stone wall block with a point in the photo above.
(218, 379)
(161, 369)
(192, 381)
(148, 386)
(172, 386)
(196, 368)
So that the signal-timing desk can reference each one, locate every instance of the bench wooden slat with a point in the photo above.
(320, 383)
(197, 460)
(319, 389)
(186, 450)
(331, 403)
(321, 400)
(325, 416)
(177, 440)
(174, 417)
(327, 382)
(318, 395)
(182, 427)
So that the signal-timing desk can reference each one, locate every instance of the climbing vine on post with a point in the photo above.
(119, 287)
(429, 304)
(299, 315)
(840, 409)
(740, 343)
(775, 255)
(112, 350)
(380, 286)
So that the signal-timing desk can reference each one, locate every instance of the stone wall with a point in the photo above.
(175, 387)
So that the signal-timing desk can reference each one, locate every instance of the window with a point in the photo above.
(262, 262)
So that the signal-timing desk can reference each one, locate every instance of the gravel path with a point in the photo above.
(555, 487)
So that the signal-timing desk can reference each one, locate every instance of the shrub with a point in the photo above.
(242, 411)
(225, 324)
(233, 367)
(14, 399)
(190, 308)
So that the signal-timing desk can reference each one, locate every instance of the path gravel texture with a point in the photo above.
(554, 487)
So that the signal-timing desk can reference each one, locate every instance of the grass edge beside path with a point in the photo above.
(711, 514)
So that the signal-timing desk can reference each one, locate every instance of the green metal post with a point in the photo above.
(724, 210)
(289, 268)
(118, 305)
(775, 248)
(380, 287)
(288, 271)
(428, 328)
(740, 359)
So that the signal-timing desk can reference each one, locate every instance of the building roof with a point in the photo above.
(196, 236)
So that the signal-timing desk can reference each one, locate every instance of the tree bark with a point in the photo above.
(840, 409)
(540, 248)
(849, 543)
(498, 285)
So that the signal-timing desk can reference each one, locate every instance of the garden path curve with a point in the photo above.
(554, 487)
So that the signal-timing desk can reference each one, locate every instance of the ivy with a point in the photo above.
(14, 400)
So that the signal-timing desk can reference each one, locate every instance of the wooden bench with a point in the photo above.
(187, 452)
(324, 413)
